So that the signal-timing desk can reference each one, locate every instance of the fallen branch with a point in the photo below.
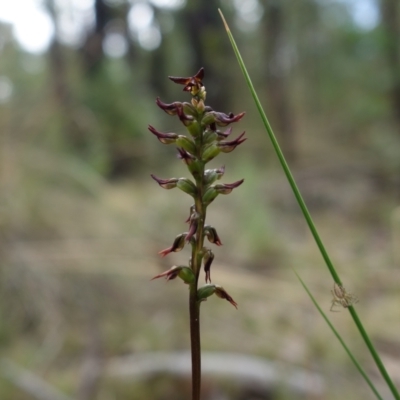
(243, 369)
(30, 383)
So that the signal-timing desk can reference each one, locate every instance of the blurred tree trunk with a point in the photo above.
(61, 92)
(93, 364)
(209, 49)
(390, 14)
(158, 64)
(92, 50)
(276, 77)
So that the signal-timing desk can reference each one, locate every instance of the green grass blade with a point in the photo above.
(336, 333)
(307, 215)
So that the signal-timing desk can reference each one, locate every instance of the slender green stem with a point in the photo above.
(194, 304)
(194, 311)
(307, 215)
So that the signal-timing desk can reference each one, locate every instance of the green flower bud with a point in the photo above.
(208, 119)
(187, 186)
(199, 104)
(209, 195)
(211, 175)
(189, 109)
(205, 291)
(210, 152)
(202, 93)
(209, 137)
(194, 128)
(187, 275)
(195, 169)
(186, 143)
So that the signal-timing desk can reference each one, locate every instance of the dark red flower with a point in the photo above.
(166, 183)
(192, 83)
(214, 118)
(224, 119)
(208, 259)
(185, 156)
(222, 293)
(178, 245)
(221, 135)
(212, 235)
(193, 223)
(185, 119)
(165, 138)
(226, 188)
(172, 273)
(171, 108)
(227, 147)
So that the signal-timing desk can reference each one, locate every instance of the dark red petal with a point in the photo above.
(170, 109)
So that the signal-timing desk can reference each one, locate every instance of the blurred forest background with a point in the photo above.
(81, 221)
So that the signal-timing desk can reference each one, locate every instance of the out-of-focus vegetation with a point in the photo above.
(81, 223)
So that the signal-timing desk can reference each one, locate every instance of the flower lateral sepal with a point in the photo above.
(193, 164)
(193, 224)
(223, 294)
(208, 258)
(183, 272)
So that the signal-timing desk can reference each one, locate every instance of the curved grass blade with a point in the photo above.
(307, 215)
(336, 333)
